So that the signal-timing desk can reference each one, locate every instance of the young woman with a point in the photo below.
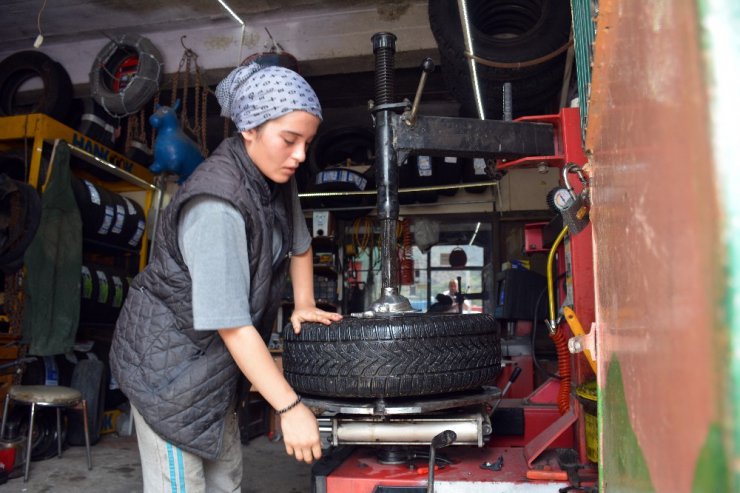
(198, 315)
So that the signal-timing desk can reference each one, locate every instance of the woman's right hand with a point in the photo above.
(301, 433)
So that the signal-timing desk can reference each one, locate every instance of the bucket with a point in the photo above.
(587, 395)
(13, 454)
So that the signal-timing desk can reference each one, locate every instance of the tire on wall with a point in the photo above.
(23, 66)
(401, 356)
(115, 85)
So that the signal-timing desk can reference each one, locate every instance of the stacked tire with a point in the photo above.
(338, 161)
(103, 291)
(505, 32)
(107, 217)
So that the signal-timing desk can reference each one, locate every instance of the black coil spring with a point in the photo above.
(384, 63)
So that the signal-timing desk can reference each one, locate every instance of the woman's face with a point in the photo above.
(279, 146)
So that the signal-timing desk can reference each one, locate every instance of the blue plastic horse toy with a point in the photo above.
(173, 150)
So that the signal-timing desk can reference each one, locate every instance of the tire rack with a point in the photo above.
(42, 128)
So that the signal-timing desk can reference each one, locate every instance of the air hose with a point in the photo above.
(556, 334)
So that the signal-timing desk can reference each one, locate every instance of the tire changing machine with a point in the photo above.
(445, 443)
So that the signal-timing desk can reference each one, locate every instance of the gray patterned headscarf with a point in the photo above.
(253, 94)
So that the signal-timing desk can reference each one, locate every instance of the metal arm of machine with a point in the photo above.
(466, 137)
(397, 136)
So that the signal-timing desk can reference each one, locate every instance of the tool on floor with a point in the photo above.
(494, 466)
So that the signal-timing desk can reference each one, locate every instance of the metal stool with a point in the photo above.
(50, 396)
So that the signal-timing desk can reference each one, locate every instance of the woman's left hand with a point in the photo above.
(312, 314)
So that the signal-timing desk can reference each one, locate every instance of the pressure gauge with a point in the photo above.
(562, 198)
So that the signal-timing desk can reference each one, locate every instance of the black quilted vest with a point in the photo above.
(183, 381)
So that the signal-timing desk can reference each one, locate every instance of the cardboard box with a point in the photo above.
(526, 189)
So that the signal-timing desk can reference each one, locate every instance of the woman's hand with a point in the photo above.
(301, 434)
(312, 314)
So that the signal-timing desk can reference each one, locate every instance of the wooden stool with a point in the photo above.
(49, 396)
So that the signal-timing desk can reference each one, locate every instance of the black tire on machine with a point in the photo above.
(398, 356)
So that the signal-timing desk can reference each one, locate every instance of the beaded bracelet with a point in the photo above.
(289, 407)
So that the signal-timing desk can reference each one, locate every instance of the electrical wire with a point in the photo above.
(365, 241)
(518, 65)
(38, 19)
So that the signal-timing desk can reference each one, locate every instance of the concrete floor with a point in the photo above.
(116, 469)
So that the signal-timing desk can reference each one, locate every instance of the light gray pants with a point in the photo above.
(168, 469)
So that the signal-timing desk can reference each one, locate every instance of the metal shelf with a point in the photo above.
(42, 129)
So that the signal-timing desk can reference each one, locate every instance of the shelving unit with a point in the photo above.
(35, 135)
(44, 130)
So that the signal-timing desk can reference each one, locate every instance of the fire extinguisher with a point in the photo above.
(406, 260)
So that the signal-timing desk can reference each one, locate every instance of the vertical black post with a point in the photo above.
(386, 160)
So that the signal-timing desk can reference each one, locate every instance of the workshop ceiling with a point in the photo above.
(75, 20)
(330, 38)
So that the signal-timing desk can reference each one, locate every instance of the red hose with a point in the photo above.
(561, 347)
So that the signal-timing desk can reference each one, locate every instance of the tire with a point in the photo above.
(89, 378)
(108, 218)
(342, 179)
(23, 66)
(15, 165)
(97, 124)
(116, 58)
(503, 31)
(401, 356)
(417, 171)
(44, 437)
(103, 290)
(334, 147)
(20, 216)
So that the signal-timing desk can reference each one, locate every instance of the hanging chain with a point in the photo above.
(188, 68)
(136, 129)
(14, 301)
(155, 105)
(186, 59)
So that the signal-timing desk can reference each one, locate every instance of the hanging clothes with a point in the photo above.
(54, 263)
